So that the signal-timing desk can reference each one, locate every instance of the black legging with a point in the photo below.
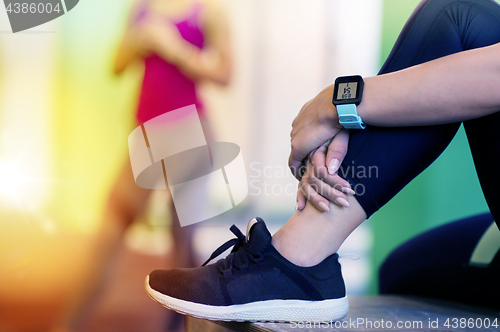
(437, 262)
(384, 160)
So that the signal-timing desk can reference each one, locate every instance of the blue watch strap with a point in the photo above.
(348, 117)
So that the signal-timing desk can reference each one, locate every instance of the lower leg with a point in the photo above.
(310, 235)
(182, 252)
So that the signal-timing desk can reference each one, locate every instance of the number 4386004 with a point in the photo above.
(472, 323)
(32, 8)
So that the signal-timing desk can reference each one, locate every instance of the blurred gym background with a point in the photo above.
(65, 119)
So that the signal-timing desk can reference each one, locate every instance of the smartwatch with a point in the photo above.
(347, 93)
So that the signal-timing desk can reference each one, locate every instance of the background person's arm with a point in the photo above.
(132, 46)
(213, 62)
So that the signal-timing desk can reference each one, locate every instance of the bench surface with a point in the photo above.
(378, 313)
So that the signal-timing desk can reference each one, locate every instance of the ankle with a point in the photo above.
(310, 235)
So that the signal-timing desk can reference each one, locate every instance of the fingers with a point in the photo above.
(319, 193)
(310, 193)
(339, 183)
(320, 171)
(318, 162)
(333, 193)
(337, 151)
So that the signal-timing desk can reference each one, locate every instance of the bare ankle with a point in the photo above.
(310, 235)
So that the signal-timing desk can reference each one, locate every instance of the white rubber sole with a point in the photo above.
(262, 311)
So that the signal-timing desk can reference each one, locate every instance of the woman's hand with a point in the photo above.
(320, 183)
(316, 123)
(163, 38)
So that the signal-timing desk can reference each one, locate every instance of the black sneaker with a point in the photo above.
(253, 283)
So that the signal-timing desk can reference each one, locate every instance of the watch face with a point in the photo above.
(348, 90)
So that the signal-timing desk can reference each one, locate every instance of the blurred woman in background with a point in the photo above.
(180, 43)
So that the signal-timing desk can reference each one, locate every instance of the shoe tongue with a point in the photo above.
(257, 234)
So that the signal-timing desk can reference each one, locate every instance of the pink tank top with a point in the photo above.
(164, 87)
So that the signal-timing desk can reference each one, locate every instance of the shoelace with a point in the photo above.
(240, 257)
